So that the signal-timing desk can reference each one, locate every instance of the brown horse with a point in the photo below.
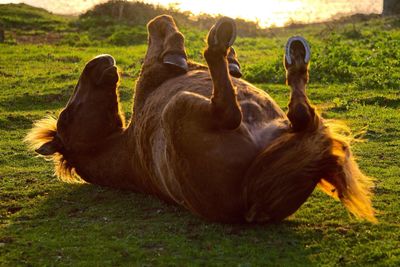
(200, 138)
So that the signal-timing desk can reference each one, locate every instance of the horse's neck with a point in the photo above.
(113, 164)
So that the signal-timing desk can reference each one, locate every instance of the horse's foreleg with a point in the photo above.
(283, 176)
(165, 57)
(301, 113)
(234, 66)
(225, 107)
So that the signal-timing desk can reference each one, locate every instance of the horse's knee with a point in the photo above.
(301, 116)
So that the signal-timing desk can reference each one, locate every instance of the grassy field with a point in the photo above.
(355, 77)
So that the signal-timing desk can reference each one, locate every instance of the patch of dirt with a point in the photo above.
(49, 38)
(13, 209)
(6, 239)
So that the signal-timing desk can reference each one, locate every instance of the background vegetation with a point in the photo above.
(354, 77)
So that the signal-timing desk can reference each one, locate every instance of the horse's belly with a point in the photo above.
(204, 174)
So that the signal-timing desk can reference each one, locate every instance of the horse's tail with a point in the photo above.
(285, 174)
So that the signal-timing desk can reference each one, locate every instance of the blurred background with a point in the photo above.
(266, 13)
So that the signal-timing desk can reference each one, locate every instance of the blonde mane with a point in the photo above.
(43, 131)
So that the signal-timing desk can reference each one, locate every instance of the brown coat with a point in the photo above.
(200, 138)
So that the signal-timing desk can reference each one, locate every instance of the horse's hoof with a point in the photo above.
(109, 76)
(297, 51)
(234, 66)
(103, 70)
(176, 61)
(234, 70)
(223, 33)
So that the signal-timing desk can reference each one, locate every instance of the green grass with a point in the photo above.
(355, 77)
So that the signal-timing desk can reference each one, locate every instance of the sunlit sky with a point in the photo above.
(267, 12)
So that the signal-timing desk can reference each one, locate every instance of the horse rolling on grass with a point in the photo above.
(201, 137)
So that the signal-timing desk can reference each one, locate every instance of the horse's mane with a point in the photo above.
(44, 131)
(288, 183)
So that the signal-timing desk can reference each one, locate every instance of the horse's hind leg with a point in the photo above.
(301, 113)
(223, 101)
(165, 57)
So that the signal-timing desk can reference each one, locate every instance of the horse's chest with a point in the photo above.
(264, 133)
(262, 127)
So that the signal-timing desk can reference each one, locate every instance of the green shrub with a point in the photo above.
(333, 61)
(127, 36)
(22, 16)
(265, 71)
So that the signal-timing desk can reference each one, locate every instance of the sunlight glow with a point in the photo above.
(278, 12)
(266, 12)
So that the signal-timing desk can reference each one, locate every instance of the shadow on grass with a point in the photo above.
(88, 224)
(382, 102)
(29, 102)
(16, 122)
(379, 101)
